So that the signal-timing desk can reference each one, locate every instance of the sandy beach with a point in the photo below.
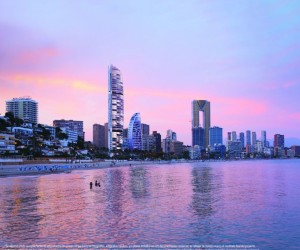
(51, 168)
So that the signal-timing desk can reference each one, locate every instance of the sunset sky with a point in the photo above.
(242, 56)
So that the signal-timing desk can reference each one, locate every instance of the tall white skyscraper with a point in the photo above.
(24, 108)
(115, 108)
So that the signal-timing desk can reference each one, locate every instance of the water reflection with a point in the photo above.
(115, 191)
(202, 200)
(18, 210)
(139, 183)
(205, 203)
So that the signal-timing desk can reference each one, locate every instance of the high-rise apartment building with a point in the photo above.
(115, 108)
(135, 132)
(197, 107)
(278, 141)
(229, 138)
(148, 143)
(76, 126)
(106, 134)
(264, 138)
(145, 129)
(242, 139)
(171, 135)
(157, 142)
(24, 108)
(198, 137)
(234, 137)
(253, 138)
(215, 136)
(99, 135)
(296, 150)
(248, 137)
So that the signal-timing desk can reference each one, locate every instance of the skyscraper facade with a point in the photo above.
(198, 137)
(264, 138)
(233, 134)
(135, 132)
(242, 139)
(204, 107)
(229, 136)
(278, 141)
(99, 135)
(171, 135)
(215, 136)
(248, 137)
(24, 108)
(157, 142)
(115, 108)
(145, 129)
(106, 134)
(253, 138)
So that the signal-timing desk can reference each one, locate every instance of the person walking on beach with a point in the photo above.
(91, 185)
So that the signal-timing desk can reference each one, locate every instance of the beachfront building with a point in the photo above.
(248, 137)
(24, 108)
(145, 129)
(219, 150)
(76, 126)
(279, 145)
(171, 135)
(242, 139)
(264, 138)
(135, 132)
(176, 147)
(197, 137)
(278, 141)
(115, 108)
(148, 142)
(195, 152)
(296, 149)
(215, 135)
(72, 135)
(253, 139)
(99, 135)
(234, 149)
(157, 144)
(7, 143)
(233, 136)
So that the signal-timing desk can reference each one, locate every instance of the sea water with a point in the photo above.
(244, 203)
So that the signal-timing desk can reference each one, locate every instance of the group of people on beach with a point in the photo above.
(97, 184)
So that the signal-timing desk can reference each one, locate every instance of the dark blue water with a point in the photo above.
(221, 203)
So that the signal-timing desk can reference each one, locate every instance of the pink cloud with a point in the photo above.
(36, 56)
(275, 86)
(294, 116)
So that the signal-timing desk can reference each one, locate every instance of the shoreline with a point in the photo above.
(57, 168)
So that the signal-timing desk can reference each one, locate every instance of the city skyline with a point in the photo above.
(170, 54)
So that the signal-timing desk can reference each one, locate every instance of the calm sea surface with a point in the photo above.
(240, 202)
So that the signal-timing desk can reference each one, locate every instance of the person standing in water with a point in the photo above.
(91, 185)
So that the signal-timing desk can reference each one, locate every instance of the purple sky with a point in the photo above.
(243, 56)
